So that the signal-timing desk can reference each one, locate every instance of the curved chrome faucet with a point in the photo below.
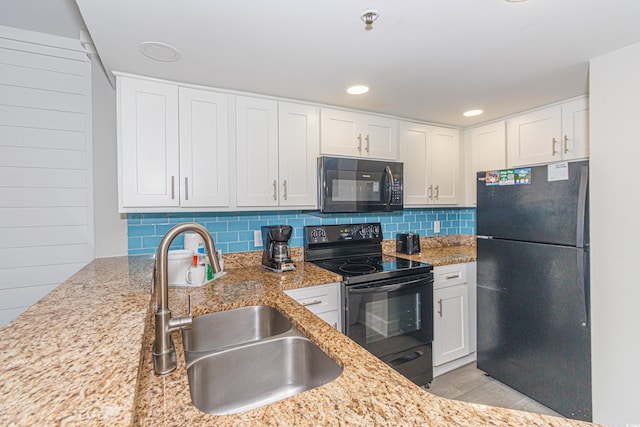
(164, 353)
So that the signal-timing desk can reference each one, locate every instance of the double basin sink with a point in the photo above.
(248, 357)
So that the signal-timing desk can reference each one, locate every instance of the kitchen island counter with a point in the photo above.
(81, 356)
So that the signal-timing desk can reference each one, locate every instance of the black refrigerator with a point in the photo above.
(533, 283)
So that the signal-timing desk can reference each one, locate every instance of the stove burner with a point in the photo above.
(357, 268)
(359, 260)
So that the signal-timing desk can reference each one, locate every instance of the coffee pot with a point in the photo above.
(275, 255)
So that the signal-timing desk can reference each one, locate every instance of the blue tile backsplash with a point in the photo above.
(233, 231)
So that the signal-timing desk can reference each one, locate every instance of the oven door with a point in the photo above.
(390, 316)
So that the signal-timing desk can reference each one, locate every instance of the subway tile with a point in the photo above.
(246, 236)
(238, 247)
(234, 230)
(141, 230)
(135, 243)
(134, 218)
(155, 218)
(227, 237)
(215, 227)
(238, 225)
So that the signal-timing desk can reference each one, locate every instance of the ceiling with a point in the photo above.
(425, 60)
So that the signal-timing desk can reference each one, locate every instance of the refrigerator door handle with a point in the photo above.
(582, 283)
(582, 206)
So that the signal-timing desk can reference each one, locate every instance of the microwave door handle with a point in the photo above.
(384, 288)
(390, 187)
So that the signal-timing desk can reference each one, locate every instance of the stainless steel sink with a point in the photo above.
(249, 357)
(232, 327)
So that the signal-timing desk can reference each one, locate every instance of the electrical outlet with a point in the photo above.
(257, 238)
(436, 226)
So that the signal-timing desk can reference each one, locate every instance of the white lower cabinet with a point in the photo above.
(453, 335)
(321, 300)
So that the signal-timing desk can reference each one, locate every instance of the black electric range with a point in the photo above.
(355, 252)
(386, 301)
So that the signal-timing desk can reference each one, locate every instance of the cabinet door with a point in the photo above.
(257, 152)
(340, 133)
(488, 152)
(414, 151)
(451, 324)
(298, 151)
(204, 148)
(148, 150)
(380, 140)
(575, 127)
(445, 166)
(535, 137)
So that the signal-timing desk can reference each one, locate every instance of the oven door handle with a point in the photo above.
(384, 288)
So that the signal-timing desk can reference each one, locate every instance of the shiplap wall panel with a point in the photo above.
(42, 275)
(24, 237)
(44, 217)
(46, 194)
(42, 158)
(42, 138)
(45, 178)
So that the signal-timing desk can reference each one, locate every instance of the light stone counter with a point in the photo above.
(81, 356)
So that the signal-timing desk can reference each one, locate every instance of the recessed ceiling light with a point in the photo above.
(472, 113)
(159, 51)
(357, 89)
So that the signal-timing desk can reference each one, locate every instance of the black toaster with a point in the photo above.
(408, 243)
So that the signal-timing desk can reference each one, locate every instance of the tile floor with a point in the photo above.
(470, 384)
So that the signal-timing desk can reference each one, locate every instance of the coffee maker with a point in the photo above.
(275, 255)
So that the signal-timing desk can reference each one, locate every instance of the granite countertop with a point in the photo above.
(81, 356)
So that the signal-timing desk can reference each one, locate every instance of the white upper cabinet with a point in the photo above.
(173, 146)
(575, 128)
(555, 133)
(204, 148)
(148, 149)
(299, 143)
(431, 164)
(277, 148)
(351, 134)
(257, 152)
(445, 166)
(488, 145)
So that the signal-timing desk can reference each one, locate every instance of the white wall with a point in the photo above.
(615, 221)
(110, 226)
(62, 18)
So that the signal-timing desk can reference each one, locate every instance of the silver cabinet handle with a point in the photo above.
(275, 189)
(440, 307)
(566, 144)
(314, 302)
(284, 186)
(186, 188)
(554, 141)
(367, 146)
(437, 192)
(173, 187)
(452, 276)
(359, 142)
(430, 192)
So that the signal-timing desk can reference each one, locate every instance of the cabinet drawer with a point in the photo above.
(317, 299)
(449, 275)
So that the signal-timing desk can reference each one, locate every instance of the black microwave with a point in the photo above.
(347, 185)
